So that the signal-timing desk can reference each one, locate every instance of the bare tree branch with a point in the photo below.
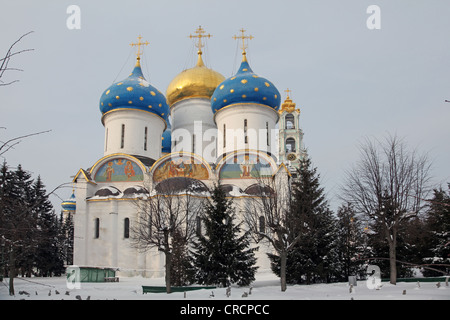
(6, 59)
(7, 143)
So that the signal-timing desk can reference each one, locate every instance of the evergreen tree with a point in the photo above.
(438, 233)
(223, 255)
(66, 239)
(352, 243)
(313, 257)
(48, 256)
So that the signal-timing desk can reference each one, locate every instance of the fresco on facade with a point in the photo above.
(181, 166)
(119, 170)
(245, 166)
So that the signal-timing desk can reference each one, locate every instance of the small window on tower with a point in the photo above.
(245, 131)
(126, 228)
(145, 138)
(224, 136)
(96, 228)
(290, 145)
(289, 121)
(122, 137)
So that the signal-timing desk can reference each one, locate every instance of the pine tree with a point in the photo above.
(223, 255)
(438, 232)
(48, 257)
(313, 257)
(351, 243)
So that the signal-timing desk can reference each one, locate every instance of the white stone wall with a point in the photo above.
(257, 117)
(135, 122)
(194, 117)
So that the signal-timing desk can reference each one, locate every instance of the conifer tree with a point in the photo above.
(48, 258)
(438, 233)
(351, 243)
(314, 254)
(223, 255)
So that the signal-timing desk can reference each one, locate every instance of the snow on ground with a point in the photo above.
(266, 287)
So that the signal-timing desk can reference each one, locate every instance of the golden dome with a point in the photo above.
(197, 82)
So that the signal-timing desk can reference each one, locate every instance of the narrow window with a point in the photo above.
(122, 139)
(262, 224)
(193, 143)
(267, 134)
(145, 138)
(245, 131)
(224, 136)
(96, 228)
(126, 228)
(106, 140)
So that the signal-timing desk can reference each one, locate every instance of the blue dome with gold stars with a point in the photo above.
(134, 93)
(245, 87)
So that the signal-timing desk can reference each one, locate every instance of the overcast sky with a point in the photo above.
(350, 82)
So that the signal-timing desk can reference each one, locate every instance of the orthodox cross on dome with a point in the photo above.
(139, 44)
(200, 34)
(243, 37)
(288, 92)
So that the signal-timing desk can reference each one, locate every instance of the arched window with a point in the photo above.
(289, 121)
(126, 228)
(96, 228)
(290, 145)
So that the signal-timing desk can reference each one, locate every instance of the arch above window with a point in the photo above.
(290, 145)
(289, 121)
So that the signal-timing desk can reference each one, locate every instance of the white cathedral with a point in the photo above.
(205, 129)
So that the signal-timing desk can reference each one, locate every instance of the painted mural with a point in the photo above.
(121, 169)
(181, 166)
(245, 166)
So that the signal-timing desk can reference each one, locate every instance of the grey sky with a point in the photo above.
(349, 82)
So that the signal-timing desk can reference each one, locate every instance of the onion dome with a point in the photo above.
(245, 87)
(197, 82)
(134, 93)
(69, 204)
(166, 143)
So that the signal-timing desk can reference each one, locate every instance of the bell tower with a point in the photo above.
(291, 148)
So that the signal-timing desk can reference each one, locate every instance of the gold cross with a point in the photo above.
(200, 34)
(139, 44)
(288, 92)
(243, 37)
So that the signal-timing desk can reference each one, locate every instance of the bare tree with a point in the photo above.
(6, 59)
(170, 211)
(387, 185)
(268, 216)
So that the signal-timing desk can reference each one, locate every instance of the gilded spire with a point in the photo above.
(288, 105)
(139, 52)
(200, 34)
(243, 37)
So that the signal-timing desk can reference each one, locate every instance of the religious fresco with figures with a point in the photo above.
(181, 166)
(117, 170)
(245, 166)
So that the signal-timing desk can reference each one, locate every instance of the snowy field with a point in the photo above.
(266, 287)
